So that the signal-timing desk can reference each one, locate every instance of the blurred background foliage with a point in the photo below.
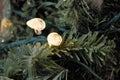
(90, 47)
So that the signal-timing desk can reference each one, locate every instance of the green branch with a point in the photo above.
(89, 69)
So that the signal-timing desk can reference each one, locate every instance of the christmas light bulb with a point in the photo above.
(54, 39)
(37, 24)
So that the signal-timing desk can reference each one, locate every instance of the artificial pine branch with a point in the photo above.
(90, 70)
(89, 46)
(33, 62)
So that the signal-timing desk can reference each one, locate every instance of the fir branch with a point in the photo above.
(34, 61)
(41, 39)
(4, 78)
(89, 69)
(85, 9)
(90, 47)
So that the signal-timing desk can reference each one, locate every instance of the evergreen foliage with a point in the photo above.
(87, 51)
(32, 63)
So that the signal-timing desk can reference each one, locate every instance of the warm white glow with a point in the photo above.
(37, 24)
(54, 39)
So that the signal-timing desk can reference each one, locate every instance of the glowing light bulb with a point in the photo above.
(54, 39)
